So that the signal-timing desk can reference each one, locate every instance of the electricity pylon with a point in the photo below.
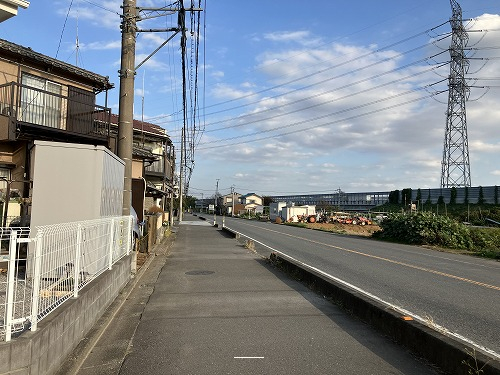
(455, 167)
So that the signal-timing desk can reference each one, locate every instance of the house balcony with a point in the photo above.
(28, 113)
(159, 168)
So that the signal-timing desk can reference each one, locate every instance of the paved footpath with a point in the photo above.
(208, 305)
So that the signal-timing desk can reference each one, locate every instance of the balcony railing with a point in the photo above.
(158, 166)
(35, 111)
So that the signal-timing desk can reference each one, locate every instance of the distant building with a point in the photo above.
(252, 203)
(366, 201)
(229, 202)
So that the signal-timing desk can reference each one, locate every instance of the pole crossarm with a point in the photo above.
(150, 13)
(172, 29)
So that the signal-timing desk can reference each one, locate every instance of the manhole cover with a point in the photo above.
(199, 272)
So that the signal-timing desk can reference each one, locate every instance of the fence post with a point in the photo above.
(78, 255)
(111, 243)
(11, 285)
(130, 236)
(36, 279)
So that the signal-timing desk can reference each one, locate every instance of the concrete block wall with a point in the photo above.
(42, 352)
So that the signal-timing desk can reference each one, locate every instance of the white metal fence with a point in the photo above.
(41, 270)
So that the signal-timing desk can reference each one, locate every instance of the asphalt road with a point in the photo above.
(457, 292)
(206, 305)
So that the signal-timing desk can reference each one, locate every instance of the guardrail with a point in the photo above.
(39, 271)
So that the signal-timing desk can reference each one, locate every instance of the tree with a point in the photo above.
(419, 195)
(394, 197)
(453, 195)
(480, 199)
(267, 200)
(496, 195)
(324, 206)
(406, 197)
(428, 201)
(189, 201)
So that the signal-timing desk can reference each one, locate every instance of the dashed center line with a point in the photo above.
(409, 265)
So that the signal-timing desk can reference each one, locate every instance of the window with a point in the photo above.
(38, 105)
(4, 176)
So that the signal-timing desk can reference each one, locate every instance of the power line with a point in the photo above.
(101, 7)
(63, 28)
(346, 62)
(320, 125)
(324, 102)
(368, 79)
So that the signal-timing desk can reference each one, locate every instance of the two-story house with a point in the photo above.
(42, 98)
(252, 202)
(153, 165)
(231, 204)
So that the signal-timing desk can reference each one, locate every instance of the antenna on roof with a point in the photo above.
(142, 119)
(77, 41)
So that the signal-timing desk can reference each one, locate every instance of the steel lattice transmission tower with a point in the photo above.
(455, 166)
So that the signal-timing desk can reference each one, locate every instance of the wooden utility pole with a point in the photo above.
(126, 103)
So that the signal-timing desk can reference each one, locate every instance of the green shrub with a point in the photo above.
(486, 241)
(425, 228)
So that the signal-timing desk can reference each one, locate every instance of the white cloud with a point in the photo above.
(111, 45)
(300, 37)
(357, 117)
(217, 74)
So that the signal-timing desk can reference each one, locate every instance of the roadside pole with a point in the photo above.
(126, 103)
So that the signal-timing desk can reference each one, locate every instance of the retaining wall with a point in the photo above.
(42, 352)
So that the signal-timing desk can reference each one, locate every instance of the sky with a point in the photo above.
(296, 97)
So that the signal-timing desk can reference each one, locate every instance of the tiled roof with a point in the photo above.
(143, 126)
(9, 48)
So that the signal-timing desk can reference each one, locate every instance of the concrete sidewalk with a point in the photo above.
(208, 305)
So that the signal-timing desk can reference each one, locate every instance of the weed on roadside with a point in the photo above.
(473, 368)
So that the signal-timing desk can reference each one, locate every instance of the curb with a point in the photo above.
(443, 351)
(449, 354)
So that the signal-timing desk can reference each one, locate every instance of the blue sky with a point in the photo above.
(294, 96)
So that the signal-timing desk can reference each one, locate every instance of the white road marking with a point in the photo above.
(399, 309)
(248, 357)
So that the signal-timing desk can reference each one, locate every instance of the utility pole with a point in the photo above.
(127, 72)
(232, 200)
(455, 167)
(216, 193)
(126, 103)
(215, 201)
